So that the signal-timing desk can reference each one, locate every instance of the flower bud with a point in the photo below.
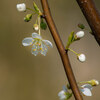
(81, 57)
(93, 82)
(79, 34)
(81, 26)
(36, 27)
(21, 7)
(28, 17)
(62, 95)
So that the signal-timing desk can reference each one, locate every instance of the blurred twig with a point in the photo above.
(92, 16)
(61, 49)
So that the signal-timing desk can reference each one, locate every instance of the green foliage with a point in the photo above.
(43, 25)
(70, 39)
(36, 7)
(81, 26)
(68, 95)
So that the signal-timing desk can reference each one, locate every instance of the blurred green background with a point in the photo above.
(26, 77)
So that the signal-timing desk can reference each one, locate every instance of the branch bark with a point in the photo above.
(61, 49)
(92, 16)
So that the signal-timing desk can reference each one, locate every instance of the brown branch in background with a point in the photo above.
(61, 49)
(92, 16)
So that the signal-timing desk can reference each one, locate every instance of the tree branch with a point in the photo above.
(61, 49)
(92, 16)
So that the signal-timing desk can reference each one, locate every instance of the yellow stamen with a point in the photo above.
(34, 49)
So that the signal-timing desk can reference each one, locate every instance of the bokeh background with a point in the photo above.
(26, 77)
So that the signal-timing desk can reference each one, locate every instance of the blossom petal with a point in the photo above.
(86, 92)
(44, 49)
(35, 35)
(34, 50)
(27, 41)
(87, 86)
(47, 42)
(62, 95)
(65, 88)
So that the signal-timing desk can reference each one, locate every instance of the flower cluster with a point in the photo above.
(36, 41)
(85, 88)
(88, 86)
(74, 37)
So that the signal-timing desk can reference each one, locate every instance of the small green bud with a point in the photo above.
(28, 17)
(81, 26)
(93, 82)
(68, 86)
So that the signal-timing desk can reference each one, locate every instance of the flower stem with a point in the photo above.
(39, 24)
(30, 9)
(61, 49)
(85, 82)
(73, 51)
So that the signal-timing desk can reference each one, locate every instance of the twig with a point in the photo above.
(92, 16)
(61, 49)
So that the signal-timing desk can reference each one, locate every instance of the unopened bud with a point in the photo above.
(93, 82)
(36, 27)
(81, 57)
(79, 34)
(21, 7)
(28, 17)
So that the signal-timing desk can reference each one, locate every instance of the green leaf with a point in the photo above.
(43, 25)
(81, 26)
(70, 39)
(36, 7)
(68, 95)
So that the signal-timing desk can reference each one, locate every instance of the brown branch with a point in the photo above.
(92, 16)
(61, 49)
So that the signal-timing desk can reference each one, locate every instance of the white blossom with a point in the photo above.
(81, 57)
(80, 34)
(21, 7)
(38, 44)
(62, 95)
(86, 89)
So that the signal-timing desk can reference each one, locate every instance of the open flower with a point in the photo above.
(21, 7)
(64, 94)
(38, 44)
(86, 89)
(81, 57)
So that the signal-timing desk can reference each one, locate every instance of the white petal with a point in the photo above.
(27, 41)
(87, 86)
(86, 92)
(61, 93)
(47, 42)
(44, 49)
(35, 35)
(65, 88)
(63, 97)
(34, 50)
